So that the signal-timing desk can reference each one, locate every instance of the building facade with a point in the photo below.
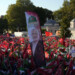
(51, 26)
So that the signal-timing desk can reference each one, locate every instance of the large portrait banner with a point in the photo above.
(35, 38)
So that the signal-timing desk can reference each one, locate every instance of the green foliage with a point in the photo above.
(3, 25)
(43, 30)
(72, 8)
(43, 14)
(16, 18)
(64, 15)
(25, 3)
(16, 14)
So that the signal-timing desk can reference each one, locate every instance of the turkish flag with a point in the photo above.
(8, 35)
(48, 33)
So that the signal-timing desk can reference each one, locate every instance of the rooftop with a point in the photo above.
(51, 22)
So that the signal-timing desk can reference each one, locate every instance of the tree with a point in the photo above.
(24, 3)
(72, 8)
(3, 25)
(63, 15)
(16, 14)
(43, 14)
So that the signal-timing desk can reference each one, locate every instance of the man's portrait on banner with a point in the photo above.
(35, 38)
(37, 47)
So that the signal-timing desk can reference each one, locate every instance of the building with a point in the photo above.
(72, 28)
(51, 26)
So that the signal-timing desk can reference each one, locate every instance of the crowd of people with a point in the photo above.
(16, 57)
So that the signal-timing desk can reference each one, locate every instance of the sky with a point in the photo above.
(52, 5)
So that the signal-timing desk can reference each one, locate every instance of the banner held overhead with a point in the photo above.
(35, 38)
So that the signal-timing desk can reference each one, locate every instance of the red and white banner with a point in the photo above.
(35, 38)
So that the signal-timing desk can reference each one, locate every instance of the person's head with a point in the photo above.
(35, 34)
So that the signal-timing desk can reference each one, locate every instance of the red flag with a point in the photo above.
(46, 54)
(46, 33)
(50, 34)
(62, 41)
(21, 40)
(8, 35)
